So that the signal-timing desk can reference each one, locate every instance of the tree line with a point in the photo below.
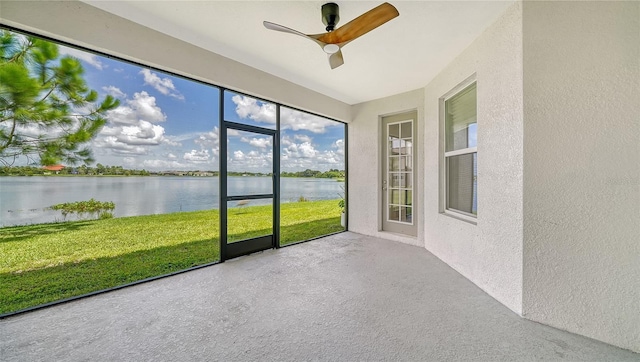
(333, 173)
(102, 170)
(84, 170)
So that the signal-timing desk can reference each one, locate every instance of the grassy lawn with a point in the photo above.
(48, 262)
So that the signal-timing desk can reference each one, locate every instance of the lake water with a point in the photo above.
(23, 200)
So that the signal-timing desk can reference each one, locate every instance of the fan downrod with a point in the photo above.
(330, 15)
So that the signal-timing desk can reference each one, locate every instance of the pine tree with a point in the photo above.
(47, 112)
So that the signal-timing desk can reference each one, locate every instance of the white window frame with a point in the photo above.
(444, 202)
(411, 174)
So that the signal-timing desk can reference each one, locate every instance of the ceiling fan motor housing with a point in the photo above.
(330, 15)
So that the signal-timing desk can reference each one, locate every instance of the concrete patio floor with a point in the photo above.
(346, 297)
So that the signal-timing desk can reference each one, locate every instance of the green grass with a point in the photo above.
(47, 262)
(306, 220)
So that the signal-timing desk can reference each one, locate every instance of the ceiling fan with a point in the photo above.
(333, 40)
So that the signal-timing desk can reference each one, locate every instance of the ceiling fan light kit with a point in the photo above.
(330, 48)
(334, 39)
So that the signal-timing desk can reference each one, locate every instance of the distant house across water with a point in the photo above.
(53, 168)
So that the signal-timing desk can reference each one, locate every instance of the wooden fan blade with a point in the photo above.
(360, 25)
(336, 59)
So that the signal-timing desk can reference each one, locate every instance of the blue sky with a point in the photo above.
(170, 123)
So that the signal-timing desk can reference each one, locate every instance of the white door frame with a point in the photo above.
(398, 176)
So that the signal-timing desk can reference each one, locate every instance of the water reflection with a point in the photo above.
(23, 200)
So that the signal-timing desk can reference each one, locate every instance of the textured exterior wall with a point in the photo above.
(489, 253)
(581, 168)
(364, 164)
(84, 25)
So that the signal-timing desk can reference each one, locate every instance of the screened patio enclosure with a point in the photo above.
(163, 194)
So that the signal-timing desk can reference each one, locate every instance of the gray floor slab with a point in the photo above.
(347, 297)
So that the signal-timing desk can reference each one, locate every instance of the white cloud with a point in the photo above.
(301, 156)
(144, 133)
(258, 161)
(208, 139)
(118, 147)
(163, 165)
(185, 136)
(302, 138)
(257, 142)
(302, 150)
(285, 141)
(141, 107)
(329, 158)
(259, 155)
(250, 108)
(132, 128)
(296, 120)
(129, 161)
(32, 130)
(162, 85)
(85, 56)
(339, 146)
(168, 140)
(247, 107)
(29, 130)
(114, 91)
(195, 156)
(171, 156)
(110, 131)
(307, 150)
(238, 155)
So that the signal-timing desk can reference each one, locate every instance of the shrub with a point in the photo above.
(92, 207)
(105, 215)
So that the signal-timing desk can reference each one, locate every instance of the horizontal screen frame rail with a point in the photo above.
(250, 197)
(250, 128)
(249, 246)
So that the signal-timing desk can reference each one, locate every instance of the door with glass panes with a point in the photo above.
(247, 198)
(398, 179)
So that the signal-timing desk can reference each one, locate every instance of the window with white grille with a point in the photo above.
(461, 152)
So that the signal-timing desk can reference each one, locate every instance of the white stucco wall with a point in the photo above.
(83, 25)
(582, 168)
(490, 252)
(364, 164)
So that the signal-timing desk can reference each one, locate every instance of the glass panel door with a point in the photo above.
(398, 179)
(400, 172)
(248, 189)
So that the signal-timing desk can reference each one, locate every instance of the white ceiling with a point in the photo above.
(401, 55)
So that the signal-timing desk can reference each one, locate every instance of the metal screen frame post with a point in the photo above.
(222, 177)
(346, 175)
(276, 181)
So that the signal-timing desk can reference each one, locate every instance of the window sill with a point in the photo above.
(460, 216)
